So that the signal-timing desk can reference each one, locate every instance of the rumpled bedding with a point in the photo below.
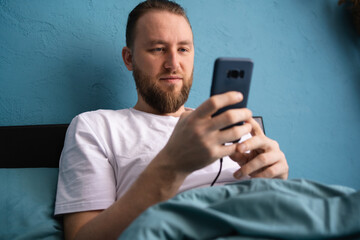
(254, 209)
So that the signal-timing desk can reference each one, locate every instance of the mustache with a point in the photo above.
(168, 74)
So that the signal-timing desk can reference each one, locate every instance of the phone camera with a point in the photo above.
(235, 74)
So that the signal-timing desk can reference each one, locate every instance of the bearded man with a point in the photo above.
(117, 163)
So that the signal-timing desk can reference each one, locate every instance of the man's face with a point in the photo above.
(163, 60)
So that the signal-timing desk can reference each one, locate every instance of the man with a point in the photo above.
(116, 164)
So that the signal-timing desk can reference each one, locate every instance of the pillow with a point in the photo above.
(27, 198)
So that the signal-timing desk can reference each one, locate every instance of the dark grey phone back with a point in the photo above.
(232, 74)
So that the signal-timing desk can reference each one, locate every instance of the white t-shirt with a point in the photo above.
(106, 150)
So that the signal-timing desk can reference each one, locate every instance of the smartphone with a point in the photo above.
(232, 74)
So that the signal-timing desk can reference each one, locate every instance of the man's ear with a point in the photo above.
(127, 57)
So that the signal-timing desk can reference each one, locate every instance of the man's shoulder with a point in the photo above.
(100, 118)
(104, 113)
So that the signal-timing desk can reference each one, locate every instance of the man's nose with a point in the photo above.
(172, 61)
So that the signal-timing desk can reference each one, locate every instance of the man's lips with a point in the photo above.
(171, 78)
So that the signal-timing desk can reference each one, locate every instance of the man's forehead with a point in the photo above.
(155, 26)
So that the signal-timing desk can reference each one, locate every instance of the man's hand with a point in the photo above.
(198, 140)
(260, 156)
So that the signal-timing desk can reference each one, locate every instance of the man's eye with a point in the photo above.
(183, 50)
(157, 49)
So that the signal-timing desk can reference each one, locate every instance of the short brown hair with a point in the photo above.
(145, 7)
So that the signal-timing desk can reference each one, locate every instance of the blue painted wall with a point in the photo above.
(60, 58)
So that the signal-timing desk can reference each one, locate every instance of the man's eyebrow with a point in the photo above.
(186, 42)
(161, 42)
(155, 42)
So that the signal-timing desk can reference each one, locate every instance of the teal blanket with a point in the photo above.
(254, 209)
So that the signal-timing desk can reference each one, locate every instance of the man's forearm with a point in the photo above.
(157, 183)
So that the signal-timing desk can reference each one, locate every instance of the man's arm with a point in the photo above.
(154, 185)
(195, 143)
(74, 221)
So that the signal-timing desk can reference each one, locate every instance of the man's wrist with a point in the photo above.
(164, 173)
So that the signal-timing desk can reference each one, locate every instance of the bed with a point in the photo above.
(251, 209)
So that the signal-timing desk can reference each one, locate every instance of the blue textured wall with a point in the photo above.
(60, 58)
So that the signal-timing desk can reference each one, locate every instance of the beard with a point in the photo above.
(163, 100)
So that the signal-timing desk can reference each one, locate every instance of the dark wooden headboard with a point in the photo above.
(34, 146)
